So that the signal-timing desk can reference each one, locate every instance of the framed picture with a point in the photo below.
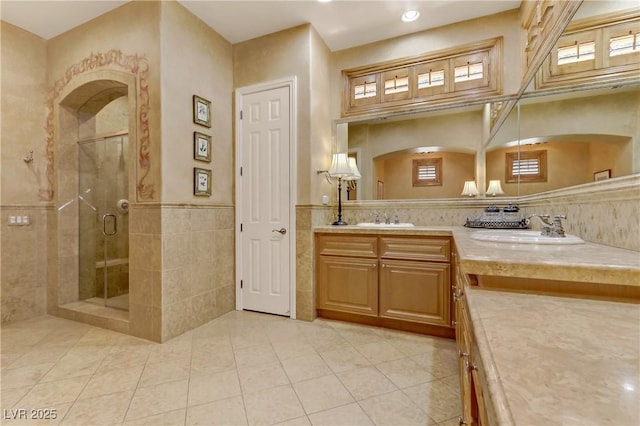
(201, 111)
(201, 182)
(201, 147)
(602, 175)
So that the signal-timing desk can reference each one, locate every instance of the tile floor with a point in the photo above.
(242, 368)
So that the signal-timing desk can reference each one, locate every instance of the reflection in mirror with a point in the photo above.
(581, 134)
(390, 150)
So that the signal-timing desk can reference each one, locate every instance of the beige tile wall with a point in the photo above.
(24, 264)
(182, 268)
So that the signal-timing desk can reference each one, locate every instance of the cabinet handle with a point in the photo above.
(461, 421)
(470, 367)
(384, 266)
(375, 264)
(462, 354)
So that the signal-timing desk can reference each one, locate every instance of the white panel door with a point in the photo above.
(264, 237)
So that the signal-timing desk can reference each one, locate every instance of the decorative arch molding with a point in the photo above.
(84, 72)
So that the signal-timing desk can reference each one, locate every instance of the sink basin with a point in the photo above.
(523, 237)
(385, 225)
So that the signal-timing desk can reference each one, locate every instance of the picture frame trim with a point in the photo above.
(198, 174)
(201, 111)
(198, 154)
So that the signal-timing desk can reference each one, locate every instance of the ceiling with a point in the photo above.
(340, 23)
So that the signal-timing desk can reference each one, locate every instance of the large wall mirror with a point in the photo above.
(578, 134)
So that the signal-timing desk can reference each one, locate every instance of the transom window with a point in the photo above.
(624, 45)
(431, 79)
(528, 166)
(577, 52)
(364, 90)
(396, 85)
(469, 72)
(427, 172)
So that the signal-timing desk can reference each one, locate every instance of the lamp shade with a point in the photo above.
(340, 166)
(470, 188)
(494, 188)
(354, 169)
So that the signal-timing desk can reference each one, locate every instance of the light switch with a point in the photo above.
(19, 220)
(25, 220)
(12, 220)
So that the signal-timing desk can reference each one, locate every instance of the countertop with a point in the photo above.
(556, 360)
(588, 262)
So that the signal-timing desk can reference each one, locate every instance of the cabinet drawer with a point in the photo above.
(351, 246)
(411, 248)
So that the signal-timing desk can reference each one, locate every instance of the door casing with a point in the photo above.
(291, 83)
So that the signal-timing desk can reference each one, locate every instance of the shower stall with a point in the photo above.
(104, 221)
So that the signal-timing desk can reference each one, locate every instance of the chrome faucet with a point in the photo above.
(387, 219)
(551, 228)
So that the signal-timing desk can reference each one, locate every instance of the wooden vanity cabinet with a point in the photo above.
(415, 277)
(347, 274)
(401, 282)
(471, 391)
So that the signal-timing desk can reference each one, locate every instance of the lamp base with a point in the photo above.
(339, 222)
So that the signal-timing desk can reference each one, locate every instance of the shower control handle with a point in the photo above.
(104, 224)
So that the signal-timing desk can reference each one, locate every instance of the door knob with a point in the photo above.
(281, 231)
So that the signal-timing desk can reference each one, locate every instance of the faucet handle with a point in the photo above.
(560, 216)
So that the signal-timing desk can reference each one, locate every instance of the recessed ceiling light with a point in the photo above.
(410, 16)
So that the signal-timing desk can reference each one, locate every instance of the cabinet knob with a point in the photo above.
(470, 367)
(462, 354)
(384, 266)
(461, 421)
(375, 264)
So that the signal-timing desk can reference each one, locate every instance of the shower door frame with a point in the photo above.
(104, 212)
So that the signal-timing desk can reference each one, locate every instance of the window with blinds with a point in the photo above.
(577, 52)
(528, 166)
(624, 45)
(427, 172)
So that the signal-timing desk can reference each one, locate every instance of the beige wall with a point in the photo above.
(462, 131)
(195, 61)
(23, 267)
(398, 176)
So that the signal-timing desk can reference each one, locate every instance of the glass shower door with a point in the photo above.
(104, 222)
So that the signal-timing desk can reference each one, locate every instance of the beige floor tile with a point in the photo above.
(366, 382)
(344, 359)
(255, 355)
(24, 376)
(9, 397)
(263, 376)
(394, 409)
(172, 418)
(225, 412)
(322, 394)
(346, 415)
(92, 373)
(118, 380)
(379, 351)
(272, 405)
(298, 421)
(158, 399)
(441, 362)
(305, 368)
(405, 372)
(439, 399)
(287, 349)
(54, 393)
(163, 372)
(209, 388)
(103, 410)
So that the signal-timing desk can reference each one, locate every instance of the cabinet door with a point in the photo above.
(348, 284)
(415, 291)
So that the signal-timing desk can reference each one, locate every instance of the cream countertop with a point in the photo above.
(554, 360)
(587, 262)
